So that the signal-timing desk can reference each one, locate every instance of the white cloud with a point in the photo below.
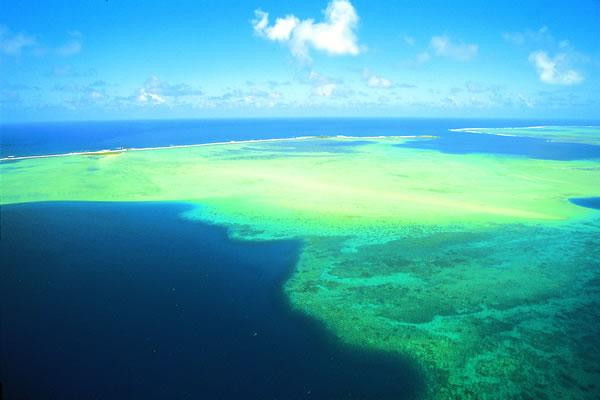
(11, 43)
(557, 70)
(316, 78)
(379, 82)
(325, 90)
(261, 20)
(146, 97)
(335, 35)
(554, 70)
(444, 47)
(154, 92)
(96, 95)
(376, 82)
(324, 86)
(282, 29)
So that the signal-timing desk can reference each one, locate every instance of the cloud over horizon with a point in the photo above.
(375, 81)
(554, 70)
(155, 91)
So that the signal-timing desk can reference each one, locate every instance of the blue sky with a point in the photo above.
(64, 60)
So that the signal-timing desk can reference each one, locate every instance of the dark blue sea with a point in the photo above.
(64, 137)
(129, 301)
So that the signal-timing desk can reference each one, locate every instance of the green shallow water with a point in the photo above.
(476, 265)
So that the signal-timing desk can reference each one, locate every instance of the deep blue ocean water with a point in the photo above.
(64, 137)
(589, 202)
(129, 301)
(466, 143)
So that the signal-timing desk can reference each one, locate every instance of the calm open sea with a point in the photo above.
(64, 137)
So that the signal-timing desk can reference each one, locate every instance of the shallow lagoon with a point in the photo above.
(475, 265)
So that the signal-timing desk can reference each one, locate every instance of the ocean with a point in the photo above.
(64, 137)
(128, 300)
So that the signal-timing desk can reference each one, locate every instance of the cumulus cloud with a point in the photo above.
(554, 70)
(325, 90)
(13, 43)
(146, 97)
(321, 85)
(444, 47)
(376, 82)
(316, 78)
(154, 91)
(557, 70)
(325, 86)
(335, 35)
(379, 82)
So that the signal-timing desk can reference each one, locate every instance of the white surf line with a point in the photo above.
(487, 130)
(180, 146)
(79, 153)
(480, 130)
(381, 137)
(496, 131)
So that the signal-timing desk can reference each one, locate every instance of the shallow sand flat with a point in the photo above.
(315, 191)
(476, 265)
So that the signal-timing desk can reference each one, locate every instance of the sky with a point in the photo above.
(107, 59)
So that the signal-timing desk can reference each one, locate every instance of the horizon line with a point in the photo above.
(570, 119)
